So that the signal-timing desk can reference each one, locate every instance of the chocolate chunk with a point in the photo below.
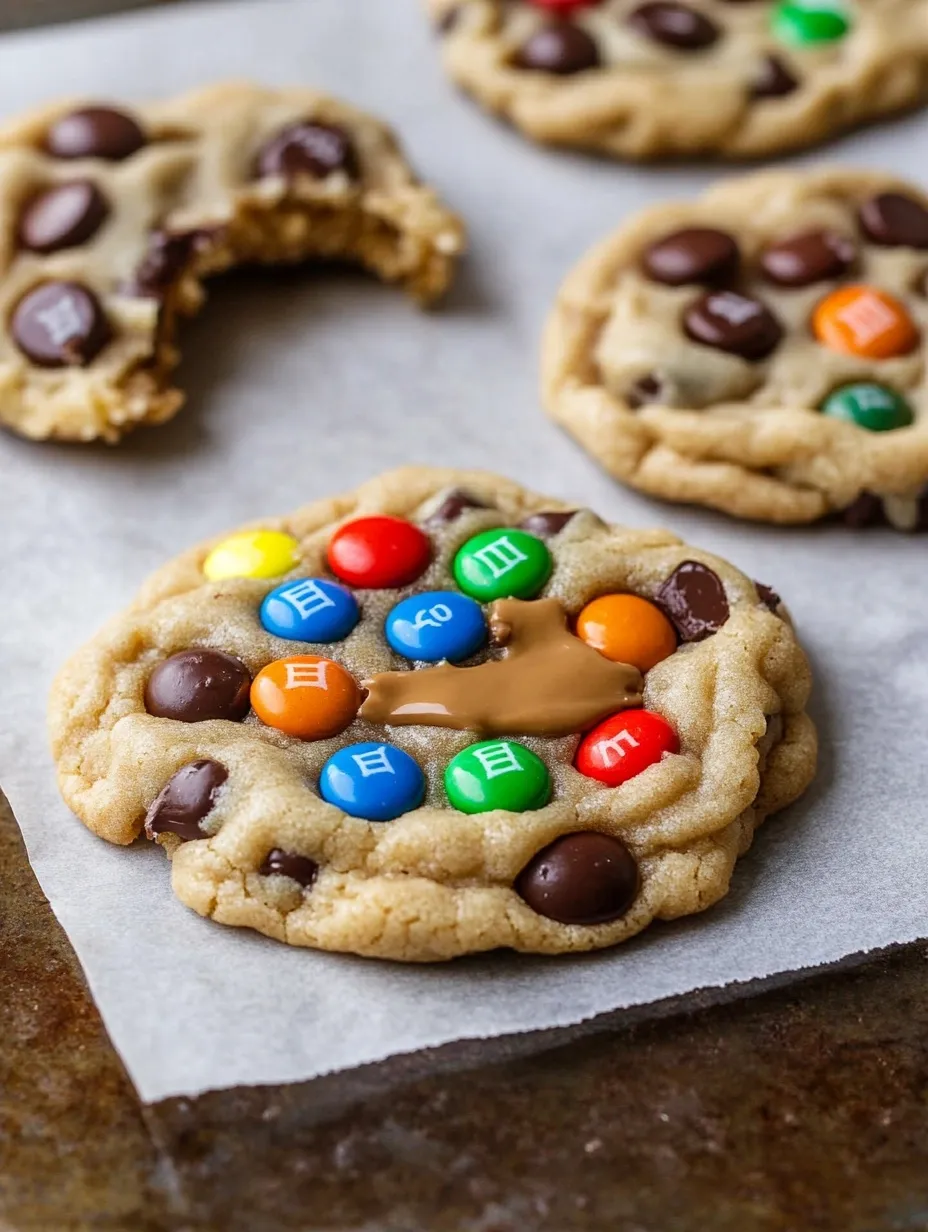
(60, 324)
(63, 217)
(695, 254)
(768, 596)
(167, 257)
(308, 148)
(773, 79)
(694, 599)
(674, 25)
(548, 523)
(735, 323)
(560, 48)
(185, 800)
(196, 685)
(280, 863)
(586, 878)
(452, 507)
(448, 20)
(95, 132)
(866, 510)
(646, 389)
(811, 256)
(895, 220)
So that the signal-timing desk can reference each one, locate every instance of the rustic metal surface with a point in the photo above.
(801, 1110)
(17, 14)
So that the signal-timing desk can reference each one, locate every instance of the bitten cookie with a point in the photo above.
(760, 349)
(647, 79)
(440, 715)
(112, 219)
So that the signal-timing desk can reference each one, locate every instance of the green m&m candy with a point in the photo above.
(801, 22)
(497, 774)
(870, 406)
(502, 564)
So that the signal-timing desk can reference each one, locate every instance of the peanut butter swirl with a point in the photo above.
(548, 682)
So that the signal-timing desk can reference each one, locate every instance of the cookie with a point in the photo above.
(114, 216)
(437, 716)
(760, 350)
(643, 79)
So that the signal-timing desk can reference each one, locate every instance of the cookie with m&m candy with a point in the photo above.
(760, 349)
(465, 718)
(643, 79)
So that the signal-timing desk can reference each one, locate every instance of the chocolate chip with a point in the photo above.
(95, 132)
(167, 257)
(895, 220)
(448, 20)
(811, 256)
(646, 389)
(674, 25)
(735, 323)
(280, 863)
(586, 878)
(185, 800)
(866, 510)
(694, 599)
(768, 596)
(560, 48)
(308, 148)
(60, 324)
(773, 79)
(694, 254)
(196, 685)
(548, 523)
(62, 217)
(452, 507)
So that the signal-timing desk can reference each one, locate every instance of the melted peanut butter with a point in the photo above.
(548, 682)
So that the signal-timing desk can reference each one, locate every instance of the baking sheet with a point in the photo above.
(306, 384)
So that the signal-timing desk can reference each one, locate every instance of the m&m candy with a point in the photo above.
(436, 625)
(375, 781)
(379, 553)
(624, 745)
(310, 610)
(870, 406)
(502, 564)
(801, 22)
(497, 774)
(305, 696)
(866, 322)
(627, 629)
(252, 554)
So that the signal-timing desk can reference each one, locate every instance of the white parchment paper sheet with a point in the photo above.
(308, 384)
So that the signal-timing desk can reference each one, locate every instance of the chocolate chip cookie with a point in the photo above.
(660, 77)
(116, 216)
(760, 350)
(437, 716)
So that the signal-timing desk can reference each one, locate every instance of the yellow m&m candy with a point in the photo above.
(252, 554)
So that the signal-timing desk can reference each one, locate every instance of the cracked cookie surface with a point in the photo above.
(645, 80)
(760, 349)
(115, 216)
(647, 710)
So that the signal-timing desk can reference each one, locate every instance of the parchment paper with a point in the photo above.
(306, 384)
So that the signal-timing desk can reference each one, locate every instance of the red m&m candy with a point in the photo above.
(624, 745)
(379, 553)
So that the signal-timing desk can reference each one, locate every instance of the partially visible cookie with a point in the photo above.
(760, 349)
(648, 78)
(113, 217)
(437, 716)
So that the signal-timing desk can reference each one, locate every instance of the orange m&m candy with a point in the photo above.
(627, 629)
(860, 320)
(305, 696)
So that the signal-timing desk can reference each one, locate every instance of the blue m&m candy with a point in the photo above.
(310, 610)
(436, 625)
(375, 781)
